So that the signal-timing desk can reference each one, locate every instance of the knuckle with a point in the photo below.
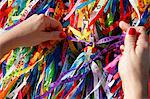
(41, 16)
(34, 15)
(142, 28)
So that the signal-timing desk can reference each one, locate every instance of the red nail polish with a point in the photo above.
(132, 31)
(121, 51)
(62, 35)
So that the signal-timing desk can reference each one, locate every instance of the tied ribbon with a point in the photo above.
(82, 66)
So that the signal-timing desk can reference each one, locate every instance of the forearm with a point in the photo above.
(31, 32)
(7, 43)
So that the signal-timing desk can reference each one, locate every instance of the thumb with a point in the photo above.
(55, 35)
(130, 39)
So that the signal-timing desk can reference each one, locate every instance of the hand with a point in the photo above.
(134, 63)
(37, 29)
(33, 31)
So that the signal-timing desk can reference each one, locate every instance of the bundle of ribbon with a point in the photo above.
(85, 65)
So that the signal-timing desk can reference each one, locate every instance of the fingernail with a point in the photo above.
(132, 31)
(121, 51)
(62, 35)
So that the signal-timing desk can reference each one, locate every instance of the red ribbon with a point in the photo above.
(113, 90)
(116, 24)
(100, 13)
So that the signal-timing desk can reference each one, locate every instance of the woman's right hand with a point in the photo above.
(33, 31)
(135, 62)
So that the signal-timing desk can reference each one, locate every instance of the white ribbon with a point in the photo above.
(15, 92)
(134, 5)
(2, 3)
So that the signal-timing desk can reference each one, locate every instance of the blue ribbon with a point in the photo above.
(85, 4)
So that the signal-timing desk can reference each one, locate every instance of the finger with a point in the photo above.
(130, 39)
(53, 42)
(141, 29)
(46, 45)
(122, 49)
(142, 42)
(143, 37)
(53, 24)
(55, 35)
(124, 26)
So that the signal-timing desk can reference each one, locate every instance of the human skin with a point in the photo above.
(31, 32)
(133, 65)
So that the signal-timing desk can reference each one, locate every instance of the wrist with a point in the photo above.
(132, 91)
(135, 89)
